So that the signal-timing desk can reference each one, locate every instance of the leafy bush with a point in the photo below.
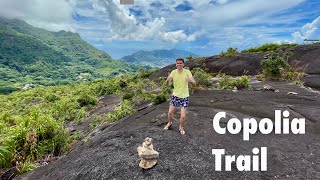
(143, 73)
(85, 99)
(26, 166)
(293, 73)
(276, 67)
(201, 77)
(7, 90)
(159, 98)
(51, 98)
(32, 121)
(227, 82)
(124, 109)
(231, 52)
(242, 82)
(165, 89)
(33, 136)
(199, 59)
(269, 47)
(272, 66)
(189, 58)
(105, 88)
(128, 96)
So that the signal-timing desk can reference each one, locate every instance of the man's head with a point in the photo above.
(179, 63)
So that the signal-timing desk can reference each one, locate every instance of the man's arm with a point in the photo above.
(169, 79)
(191, 80)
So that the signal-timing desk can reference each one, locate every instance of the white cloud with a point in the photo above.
(126, 26)
(241, 12)
(49, 14)
(220, 1)
(308, 31)
(215, 26)
(285, 41)
(243, 38)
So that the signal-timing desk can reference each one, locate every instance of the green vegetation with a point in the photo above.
(32, 122)
(125, 108)
(276, 67)
(30, 55)
(157, 58)
(227, 82)
(159, 98)
(189, 58)
(201, 77)
(231, 52)
(272, 66)
(200, 58)
(268, 47)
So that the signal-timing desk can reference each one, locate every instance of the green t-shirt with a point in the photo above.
(180, 83)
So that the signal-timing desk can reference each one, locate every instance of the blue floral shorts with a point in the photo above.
(176, 101)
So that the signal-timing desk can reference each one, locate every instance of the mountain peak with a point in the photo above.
(156, 58)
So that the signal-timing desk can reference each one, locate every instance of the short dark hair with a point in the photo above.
(180, 59)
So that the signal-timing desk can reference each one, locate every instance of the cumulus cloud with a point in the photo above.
(308, 31)
(49, 14)
(219, 1)
(225, 12)
(214, 24)
(126, 26)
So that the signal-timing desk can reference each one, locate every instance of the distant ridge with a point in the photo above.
(156, 58)
(30, 55)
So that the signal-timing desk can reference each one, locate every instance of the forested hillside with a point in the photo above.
(157, 58)
(30, 55)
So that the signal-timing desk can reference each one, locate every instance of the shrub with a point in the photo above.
(34, 135)
(143, 73)
(199, 59)
(51, 98)
(242, 82)
(189, 58)
(124, 109)
(108, 87)
(5, 155)
(86, 99)
(128, 96)
(201, 77)
(26, 166)
(159, 98)
(165, 89)
(231, 52)
(273, 65)
(293, 73)
(227, 82)
(269, 47)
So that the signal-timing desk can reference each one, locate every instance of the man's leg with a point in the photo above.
(170, 116)
(182, 119)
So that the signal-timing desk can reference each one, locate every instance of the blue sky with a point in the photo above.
(202, 27)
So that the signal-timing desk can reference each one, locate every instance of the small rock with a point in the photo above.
(293, 93)
(267, 87)
(148, 156)
(235, 89)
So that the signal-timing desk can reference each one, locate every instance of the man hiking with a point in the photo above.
(180, 96)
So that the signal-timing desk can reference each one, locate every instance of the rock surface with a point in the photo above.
(111, 154)
(306, 57)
